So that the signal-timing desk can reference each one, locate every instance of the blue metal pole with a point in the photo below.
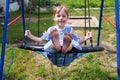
(4, 38)
(117, 36)
(100, 22)
(23, 19)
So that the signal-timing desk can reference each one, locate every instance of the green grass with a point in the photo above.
(80, 4)
(74, 4)
(28, 65)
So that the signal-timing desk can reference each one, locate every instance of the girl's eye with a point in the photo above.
(58, 15)
(63, 16)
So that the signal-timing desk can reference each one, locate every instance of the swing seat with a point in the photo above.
(85, 49)
(60, 59)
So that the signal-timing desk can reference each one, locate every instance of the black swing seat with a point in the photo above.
(86, 49)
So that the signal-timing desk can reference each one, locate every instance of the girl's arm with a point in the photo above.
(34, 38)
(87, 37)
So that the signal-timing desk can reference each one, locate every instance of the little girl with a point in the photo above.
(59, 38)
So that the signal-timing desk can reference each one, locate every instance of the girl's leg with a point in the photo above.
(67, 46)
(55, 40)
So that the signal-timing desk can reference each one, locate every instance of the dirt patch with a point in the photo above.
(109, 47)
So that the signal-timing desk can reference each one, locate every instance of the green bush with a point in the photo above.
(44, 3)
(80, 3)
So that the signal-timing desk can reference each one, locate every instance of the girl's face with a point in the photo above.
(61, 19)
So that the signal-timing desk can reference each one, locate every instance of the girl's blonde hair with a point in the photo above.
(57, 9)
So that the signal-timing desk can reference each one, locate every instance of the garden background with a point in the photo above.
(28, 65)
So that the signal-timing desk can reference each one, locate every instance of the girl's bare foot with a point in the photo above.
(55, 40)
(66, 42)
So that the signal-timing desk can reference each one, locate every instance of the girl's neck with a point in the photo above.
(59, 27)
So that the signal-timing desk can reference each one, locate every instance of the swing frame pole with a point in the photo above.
(23, 20)
(117, 36)
(4, 35)
(100, 21)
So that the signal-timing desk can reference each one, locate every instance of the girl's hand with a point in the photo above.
(27, 33)
(88, 35)
(68, 22)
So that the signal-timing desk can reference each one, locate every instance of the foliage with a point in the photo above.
(81, 3)
(74, 4)
(45, 3)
